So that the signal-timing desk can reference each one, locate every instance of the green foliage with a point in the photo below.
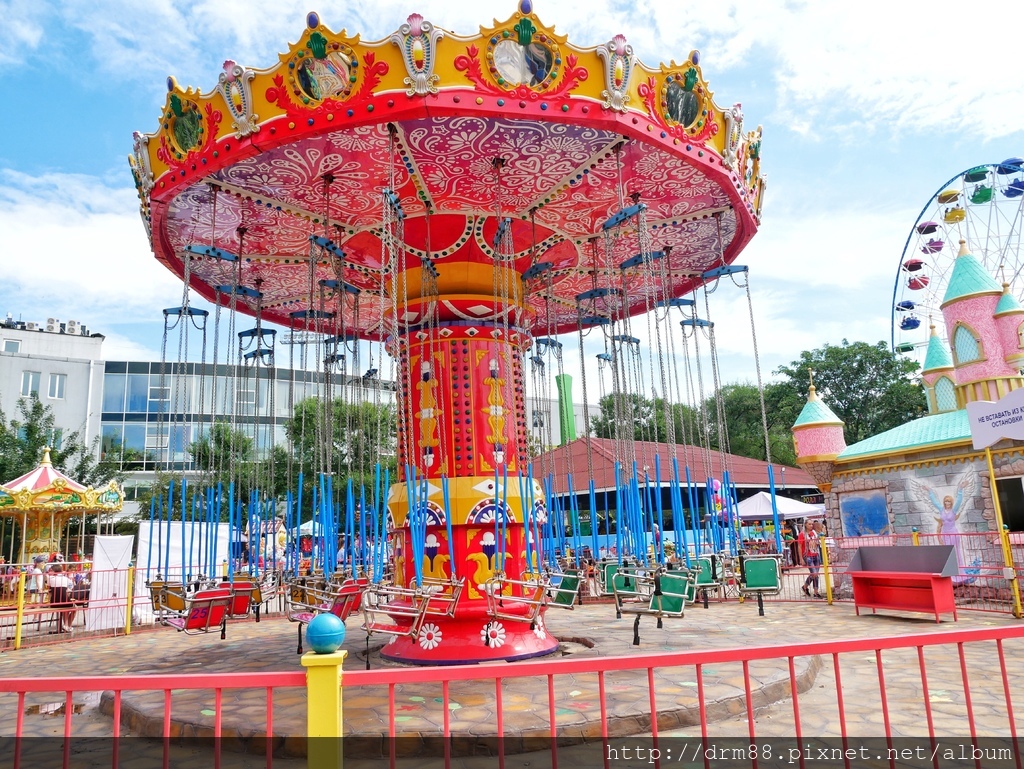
(23, 439)
(359, 436)
(869, 387)
(741, 406)
(634, 417)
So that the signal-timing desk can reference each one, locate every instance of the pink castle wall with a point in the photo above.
(977, 312)
(815, 441)
(1007, 326)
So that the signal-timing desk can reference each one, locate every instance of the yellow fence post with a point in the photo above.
(323, 709)
(1008, 570)
(825, 571)
(21, 609)
(131, 591)
(915, 536)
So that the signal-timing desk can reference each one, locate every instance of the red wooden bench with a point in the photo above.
(917, 579)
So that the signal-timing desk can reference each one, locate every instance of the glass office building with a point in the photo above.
(158, 410)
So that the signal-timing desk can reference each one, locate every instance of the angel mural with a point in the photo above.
(946, 512)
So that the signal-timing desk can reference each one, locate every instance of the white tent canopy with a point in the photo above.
(759, 508)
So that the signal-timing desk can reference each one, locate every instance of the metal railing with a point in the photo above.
(946, 683)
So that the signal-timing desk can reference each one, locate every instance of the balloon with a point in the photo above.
(716, 485)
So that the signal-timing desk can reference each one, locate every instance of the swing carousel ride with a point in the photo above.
(453, 204)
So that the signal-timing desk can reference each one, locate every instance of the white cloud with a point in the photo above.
(22, 28)
(119, 347)
(73, 247)
(855, 69)
(870, 66)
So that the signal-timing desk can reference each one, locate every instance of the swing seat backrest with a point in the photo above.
(155, 589)
(297, 594)
(705, 576)
(241, 597)
(761, 575)
(674, 591)
(691, 585)
(565, 592)
(352, 592)
(623, 582)
(206, 609)
(608, 572)
(172, 597)
(348, 598)
(257, 587)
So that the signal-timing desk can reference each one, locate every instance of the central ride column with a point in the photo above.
(462, 409)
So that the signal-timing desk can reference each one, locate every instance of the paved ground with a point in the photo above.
(589, 630)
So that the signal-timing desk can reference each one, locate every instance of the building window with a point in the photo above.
(111, 436)
(945, 394)
(56, 438)
(159, 399)
(113, 393)
(57, 384)
(12, 345)
(138, 390)
(966, 346)
(30, 384)
(157, 437)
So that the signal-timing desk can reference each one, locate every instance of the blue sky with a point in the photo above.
(867, 108)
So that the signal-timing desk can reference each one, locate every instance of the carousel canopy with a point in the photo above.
(268, 191)
(47, 488)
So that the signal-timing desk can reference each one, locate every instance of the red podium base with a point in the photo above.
(469, 640)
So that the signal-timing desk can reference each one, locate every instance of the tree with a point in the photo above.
(634, 417)
(869, 387)
(226, 456)
(23, 439)
(741, 406)
(360, 436)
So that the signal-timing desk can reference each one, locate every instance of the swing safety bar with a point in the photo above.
(504, 594)
(400, 611)
(305, 601)
(200, 612)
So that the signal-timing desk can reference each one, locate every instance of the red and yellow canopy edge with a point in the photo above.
(422, 71)
(46, 488)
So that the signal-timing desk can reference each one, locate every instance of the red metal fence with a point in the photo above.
(982, 584)
(94, 603)
(934, 688)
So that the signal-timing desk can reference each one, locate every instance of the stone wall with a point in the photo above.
(913, 490)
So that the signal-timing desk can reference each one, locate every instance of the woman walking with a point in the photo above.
(810, 549)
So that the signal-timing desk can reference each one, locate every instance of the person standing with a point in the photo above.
(60, 597)
(35, 580)
(810, 550)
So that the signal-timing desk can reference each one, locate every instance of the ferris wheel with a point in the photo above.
(982, 206)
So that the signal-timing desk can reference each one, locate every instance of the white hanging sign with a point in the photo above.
(991, 422)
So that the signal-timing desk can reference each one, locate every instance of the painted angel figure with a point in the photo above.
(947, 511)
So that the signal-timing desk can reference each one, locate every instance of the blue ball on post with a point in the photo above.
(325, 633)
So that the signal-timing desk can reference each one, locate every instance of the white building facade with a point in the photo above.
(61, 364)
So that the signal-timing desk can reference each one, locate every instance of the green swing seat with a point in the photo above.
(761, 577)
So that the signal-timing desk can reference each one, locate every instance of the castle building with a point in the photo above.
(926, 475)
